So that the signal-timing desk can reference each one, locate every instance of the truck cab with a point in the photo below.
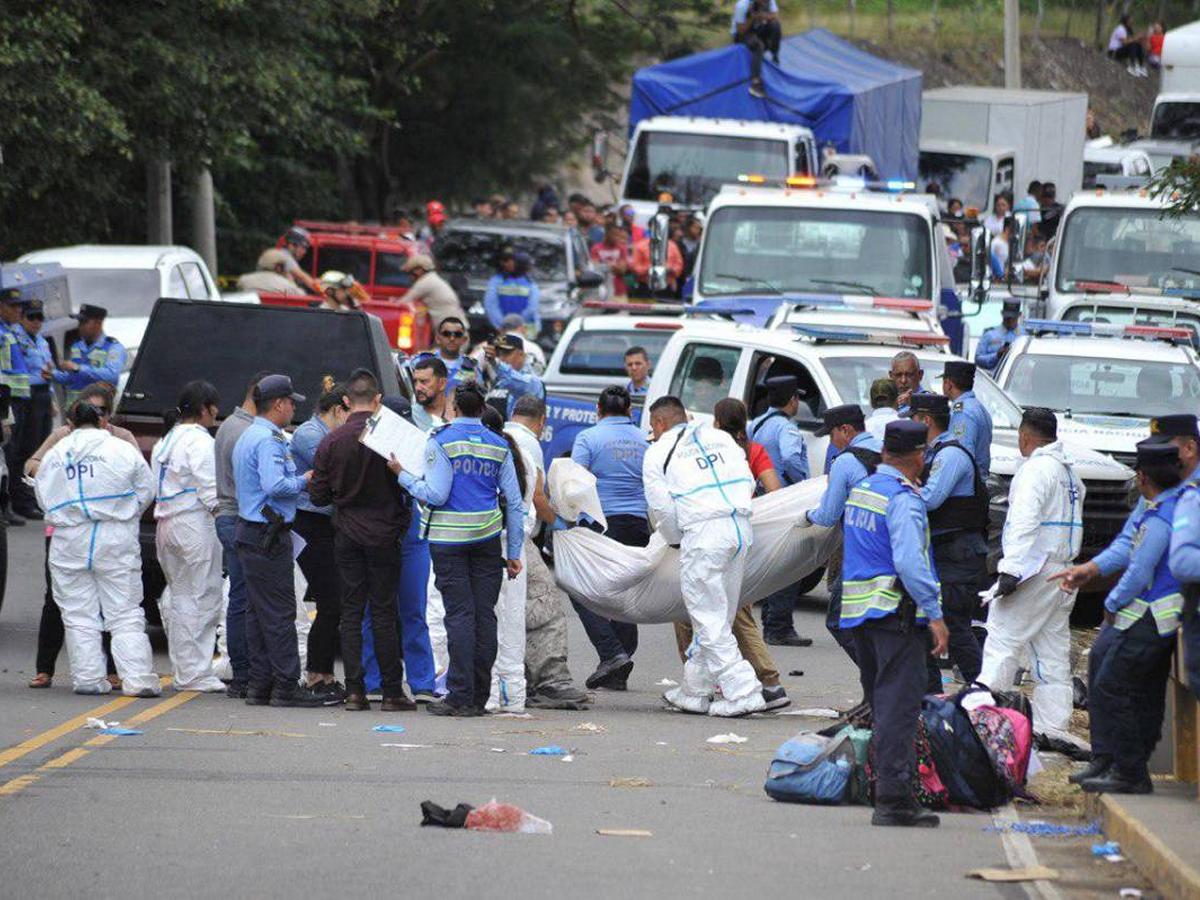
(972, 173)
(812, 244)
(1117, 259)
(690, 158)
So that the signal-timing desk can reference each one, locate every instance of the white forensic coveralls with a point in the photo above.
(1042, 535)
(94, 488)
(508, 673)
(183, 463)
(698, 490)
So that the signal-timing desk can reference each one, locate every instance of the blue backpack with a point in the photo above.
(812, 768)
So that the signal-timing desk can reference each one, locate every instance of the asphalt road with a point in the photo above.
(219, 799)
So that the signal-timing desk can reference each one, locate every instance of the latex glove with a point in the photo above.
(1006, 584)
(804, 521)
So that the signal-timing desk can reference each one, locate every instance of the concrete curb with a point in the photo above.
(1158, 862)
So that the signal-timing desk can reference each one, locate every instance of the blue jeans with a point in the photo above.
(414, 633)
(235, 617)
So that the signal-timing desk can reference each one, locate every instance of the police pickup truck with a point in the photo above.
(319, 343)
(834, 367)
(1105, 381)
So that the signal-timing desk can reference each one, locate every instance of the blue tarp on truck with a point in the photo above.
(857, 102)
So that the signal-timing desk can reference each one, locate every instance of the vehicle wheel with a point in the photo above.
(810, 581)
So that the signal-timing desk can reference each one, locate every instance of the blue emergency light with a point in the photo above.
(1109, 329)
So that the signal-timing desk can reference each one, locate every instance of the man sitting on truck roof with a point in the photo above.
(270, 276)
(756, 24)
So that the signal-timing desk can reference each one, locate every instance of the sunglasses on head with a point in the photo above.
(453, 334)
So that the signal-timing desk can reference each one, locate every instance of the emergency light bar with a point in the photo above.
(703, 308)
(842, 301)
(845, 182)
(824, 333)
(1108, 329)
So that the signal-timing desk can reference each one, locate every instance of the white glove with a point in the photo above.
(804, 521)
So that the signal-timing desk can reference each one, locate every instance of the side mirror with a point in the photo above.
(1018, 235)
(660, 232)
(599, 155)
(981, 264)
(589, 279)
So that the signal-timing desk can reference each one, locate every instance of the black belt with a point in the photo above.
(39, 388)
(946, 537)
(262, 526)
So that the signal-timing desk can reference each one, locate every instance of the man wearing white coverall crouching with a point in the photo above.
(183, 464)
(94, 487)
(1042, 534)
(698, 489)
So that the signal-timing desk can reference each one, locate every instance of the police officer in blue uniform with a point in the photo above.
(1185, 563)
(469, 471)
(994, 344)
(970, 422)
(781, 438)
(14, 374)
(267, 490)
(38, 358)
(890, 598)
(1127, 696)
(512, 290)
(858, 455)
(512, 378)
(613, 450)
(94, 357)
(956, 500)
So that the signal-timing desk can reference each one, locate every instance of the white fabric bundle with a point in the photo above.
(641, 584)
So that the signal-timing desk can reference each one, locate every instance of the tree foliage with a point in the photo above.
(1179, 185)
(303, 107)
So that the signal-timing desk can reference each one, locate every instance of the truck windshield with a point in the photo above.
(474, 253)
(748, 248)
(966, 178)
(1176, 122)
(692, 167)
(1131, 247)
(852, 376)
(1115, 387)
(123, 292)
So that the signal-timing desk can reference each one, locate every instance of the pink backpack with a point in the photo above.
(1007, 736)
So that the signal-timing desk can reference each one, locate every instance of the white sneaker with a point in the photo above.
(1131, 69)
(688, 703)
(731, 709)
(223, 668)
(210, 684)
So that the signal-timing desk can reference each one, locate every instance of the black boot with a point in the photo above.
(1117, 782)
(903, 815)
(1096, 768)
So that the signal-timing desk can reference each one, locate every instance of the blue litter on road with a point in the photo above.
(1109, 849)
(121, 732)
(1048, 829)
(389, 729)
(552, 750)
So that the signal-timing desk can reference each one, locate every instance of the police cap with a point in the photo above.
(507, 342)
(927, 402)
(781, 389)
(88, 312)
(1163, 428)
(904, 436)
(34, 309)
(11, 296)
(1151, 453)
(847, 414)
(274, 387)
(961, 371)
(1011, 309)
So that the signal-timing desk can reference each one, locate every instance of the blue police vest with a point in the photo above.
(1164, 598)
(514, 294)
(871, 587)
(472, 511)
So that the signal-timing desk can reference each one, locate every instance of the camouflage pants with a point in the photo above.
(545, 626)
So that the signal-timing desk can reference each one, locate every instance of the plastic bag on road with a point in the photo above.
(494, 816)
(641, 584)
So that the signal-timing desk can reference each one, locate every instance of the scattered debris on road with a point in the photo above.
(624, 832)
(630, 783)
(729, 738)
(1029, 873)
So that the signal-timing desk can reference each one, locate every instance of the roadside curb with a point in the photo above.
(1165, 869)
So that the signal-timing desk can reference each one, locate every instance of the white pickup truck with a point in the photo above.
(836, 371)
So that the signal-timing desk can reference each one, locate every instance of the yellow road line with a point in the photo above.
(53, 734)
(41, 740)
(77, 753)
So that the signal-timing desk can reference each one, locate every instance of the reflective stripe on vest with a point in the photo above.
(472, 511)
(448, 527)
(1166, 611)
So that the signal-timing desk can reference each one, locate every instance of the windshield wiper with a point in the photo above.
(747, 279)
(1185, 271)
(834, 282)
(1116, 413)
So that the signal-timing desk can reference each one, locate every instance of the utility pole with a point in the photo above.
(158, 202)
(1012, 45)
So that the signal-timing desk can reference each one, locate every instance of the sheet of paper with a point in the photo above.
(298, 544)
(391, 435)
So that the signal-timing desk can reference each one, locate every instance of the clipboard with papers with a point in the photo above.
(389, 434)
